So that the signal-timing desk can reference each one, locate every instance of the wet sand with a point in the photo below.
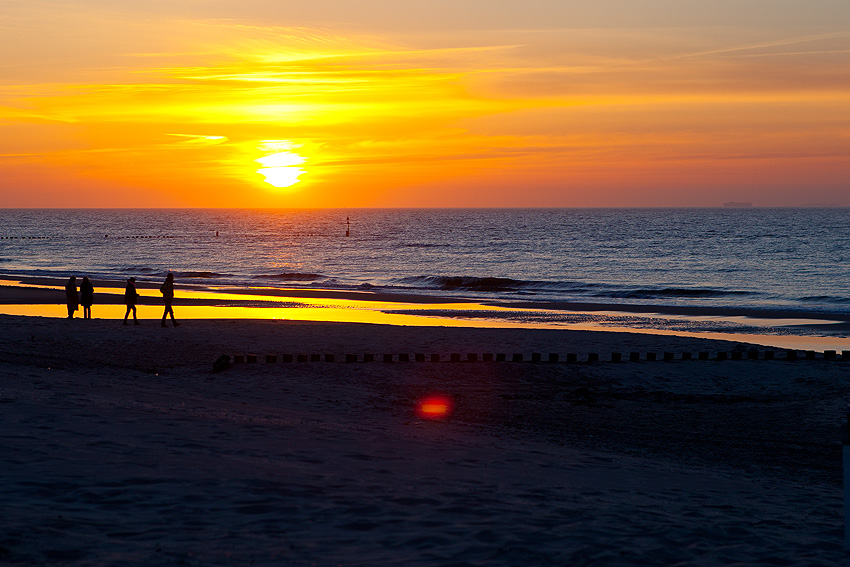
(11, 291)
(122, 446)
(776, 329)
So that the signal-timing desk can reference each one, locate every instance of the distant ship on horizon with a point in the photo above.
(738, 204)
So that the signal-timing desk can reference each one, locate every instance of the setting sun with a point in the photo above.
(281, 168)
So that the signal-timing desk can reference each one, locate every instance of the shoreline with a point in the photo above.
(422, 298)
(784, 329)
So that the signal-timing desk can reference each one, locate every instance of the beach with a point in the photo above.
(450, 284)
(122, 446)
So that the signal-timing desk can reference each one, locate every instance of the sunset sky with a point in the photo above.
(387, 103)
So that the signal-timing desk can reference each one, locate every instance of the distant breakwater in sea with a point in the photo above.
(764, 258)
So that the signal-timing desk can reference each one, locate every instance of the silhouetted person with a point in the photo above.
(71, 296)
(167, 289)
(86, 297)
(130, 298)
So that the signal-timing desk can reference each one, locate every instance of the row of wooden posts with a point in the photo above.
(789, 355)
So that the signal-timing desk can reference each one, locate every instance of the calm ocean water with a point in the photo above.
(767, 258)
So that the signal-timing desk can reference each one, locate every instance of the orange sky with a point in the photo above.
(468, 103)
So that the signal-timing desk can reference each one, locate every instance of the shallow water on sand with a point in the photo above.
(797, 334)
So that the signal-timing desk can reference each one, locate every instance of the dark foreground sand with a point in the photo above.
(121, 447)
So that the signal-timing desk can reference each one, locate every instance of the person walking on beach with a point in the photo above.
(86, 297)
(71, 296)
(130, 298)
(167, 290)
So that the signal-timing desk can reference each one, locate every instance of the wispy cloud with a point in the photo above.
(201, 140)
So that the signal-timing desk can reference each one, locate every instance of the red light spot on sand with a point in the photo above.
(434, 407)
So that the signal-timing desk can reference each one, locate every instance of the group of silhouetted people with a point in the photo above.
(131, 296)
(85, 299)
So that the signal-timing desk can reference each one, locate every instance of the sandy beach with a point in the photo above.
(121, 446)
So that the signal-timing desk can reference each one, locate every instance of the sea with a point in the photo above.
(782, 259)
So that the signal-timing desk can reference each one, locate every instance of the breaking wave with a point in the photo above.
(139, 270)
(508, 285)
(672, 292)
(199, 275)
(291, 277)
(826, 299)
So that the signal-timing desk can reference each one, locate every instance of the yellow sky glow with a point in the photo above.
(370, 112)
(281, 165)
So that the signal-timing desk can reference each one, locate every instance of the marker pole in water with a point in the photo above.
(845, 448)
(348, 226)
